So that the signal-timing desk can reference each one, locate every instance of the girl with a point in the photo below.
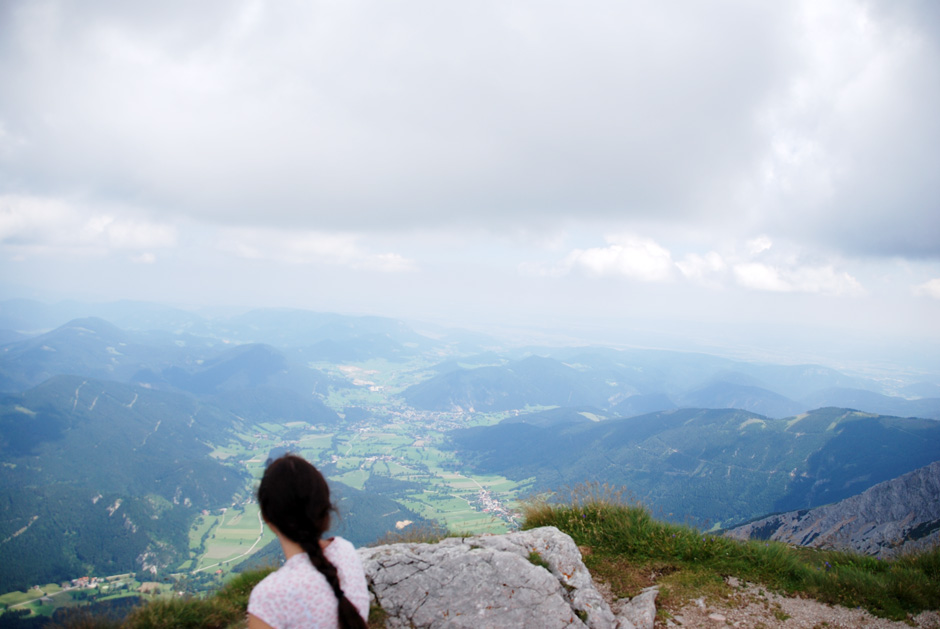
(322, 583)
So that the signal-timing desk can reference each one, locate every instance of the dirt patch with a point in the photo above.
(753, 607)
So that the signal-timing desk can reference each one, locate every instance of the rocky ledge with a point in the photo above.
(532, 578)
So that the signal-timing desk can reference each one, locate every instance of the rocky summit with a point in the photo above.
(532, 578)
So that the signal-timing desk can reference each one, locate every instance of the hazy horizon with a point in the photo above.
(756, 180)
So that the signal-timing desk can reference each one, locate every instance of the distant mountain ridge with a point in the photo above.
(96, 348)
(891, 518)
(622, 382)
(632, 382)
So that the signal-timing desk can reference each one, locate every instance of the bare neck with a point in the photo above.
(290, 547)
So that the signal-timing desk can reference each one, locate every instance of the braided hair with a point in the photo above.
(295, 498)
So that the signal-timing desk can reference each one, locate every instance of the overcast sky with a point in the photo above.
(759, 176)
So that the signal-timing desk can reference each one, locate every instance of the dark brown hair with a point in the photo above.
(295, 498)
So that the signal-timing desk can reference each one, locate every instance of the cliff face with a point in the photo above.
(890, 518)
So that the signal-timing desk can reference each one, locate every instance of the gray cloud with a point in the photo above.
(350, 114)
(729, 117)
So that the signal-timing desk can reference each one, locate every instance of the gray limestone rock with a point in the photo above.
(893, 517)
(640, 611)
(529, 578)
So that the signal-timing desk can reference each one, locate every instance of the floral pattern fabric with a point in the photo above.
(298, 595)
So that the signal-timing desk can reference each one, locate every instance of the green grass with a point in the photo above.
(15, 598)
(231, 536)
(224, 610)
(623, 544)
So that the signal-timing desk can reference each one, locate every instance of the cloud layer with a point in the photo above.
(802, 120)
(645, 260)
(588, 161)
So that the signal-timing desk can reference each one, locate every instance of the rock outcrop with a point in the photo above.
(532, 578)
(899, 515)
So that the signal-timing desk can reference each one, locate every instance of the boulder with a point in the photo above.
(532, 578)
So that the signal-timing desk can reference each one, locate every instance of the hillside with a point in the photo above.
(895, 517)
(711, 466)
(532, 381)
(103, 476)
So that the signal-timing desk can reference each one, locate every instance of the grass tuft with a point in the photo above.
(537, 560)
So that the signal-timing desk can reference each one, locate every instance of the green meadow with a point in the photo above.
(221, 539)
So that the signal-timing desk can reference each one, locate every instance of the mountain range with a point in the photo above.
(635, 382)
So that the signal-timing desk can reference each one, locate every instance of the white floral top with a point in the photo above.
(298, 595)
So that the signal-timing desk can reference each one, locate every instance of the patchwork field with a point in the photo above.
(222, 539)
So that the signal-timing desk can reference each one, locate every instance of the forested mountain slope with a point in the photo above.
(711, 467)
(104, 475)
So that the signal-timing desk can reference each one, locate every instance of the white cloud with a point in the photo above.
(123, 233)
(930, 288)
(30, 225)
(759, 245)
(760, 277)
(634, 257)
(626, 256)
(824, 280)
(708, 269)
(802, 279)
(308, 247)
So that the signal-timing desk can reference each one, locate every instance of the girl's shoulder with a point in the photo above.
(339, 547)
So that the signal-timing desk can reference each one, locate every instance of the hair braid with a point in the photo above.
(349, 617)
